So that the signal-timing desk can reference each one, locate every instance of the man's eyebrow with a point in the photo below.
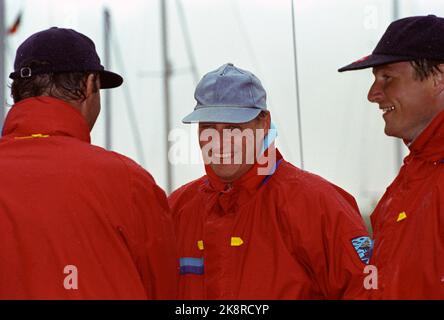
(383, 67)
(377, 68)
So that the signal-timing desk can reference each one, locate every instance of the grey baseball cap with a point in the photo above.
(228, 95)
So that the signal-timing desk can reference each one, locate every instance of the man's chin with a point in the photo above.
(227, 172)
(392, 133)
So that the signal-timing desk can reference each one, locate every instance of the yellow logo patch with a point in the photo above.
(401, 216)
(236, 241)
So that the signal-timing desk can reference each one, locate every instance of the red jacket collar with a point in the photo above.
(430, 143)
(45, 115)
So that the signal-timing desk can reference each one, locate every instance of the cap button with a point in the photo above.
(230, 64)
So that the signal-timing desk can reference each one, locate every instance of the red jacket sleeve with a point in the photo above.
(153, 247)
(325, 226)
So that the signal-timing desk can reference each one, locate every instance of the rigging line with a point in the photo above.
(129, 101)
(160, 74)
(399, 145)
(188, 43)
(244, 34)
(296, 75)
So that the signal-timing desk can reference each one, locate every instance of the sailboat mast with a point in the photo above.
(296, 76)
(166, 89)
(107, 63)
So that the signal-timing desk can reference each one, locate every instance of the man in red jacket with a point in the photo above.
(408, 222)
(256, 227)
(76, 221)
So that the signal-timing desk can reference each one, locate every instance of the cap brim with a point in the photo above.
(109, 80)
(374, 60)
(222, 115)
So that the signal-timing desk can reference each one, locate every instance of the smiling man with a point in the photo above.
(256, 227)
(408, 222)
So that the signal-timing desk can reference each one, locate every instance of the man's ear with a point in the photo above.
(89, 107)
(92, 84)
(438, 80)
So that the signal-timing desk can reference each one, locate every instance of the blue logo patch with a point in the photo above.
(363, 247)
(191, 265)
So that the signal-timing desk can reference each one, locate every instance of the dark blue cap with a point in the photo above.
(61, 50)
(407, 39)
(228, 95)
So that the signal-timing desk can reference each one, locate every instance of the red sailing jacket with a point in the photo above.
(289, 235)
(408, 223)
(64, 202)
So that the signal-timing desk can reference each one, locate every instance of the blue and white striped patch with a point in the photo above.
(191, 265)
(363, 247)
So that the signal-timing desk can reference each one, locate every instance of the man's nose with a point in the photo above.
(218, 138)
(375, 94)
(226, 140)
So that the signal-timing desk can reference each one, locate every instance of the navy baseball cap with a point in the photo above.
(228, 95)
(61, 50)
(407, 39)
